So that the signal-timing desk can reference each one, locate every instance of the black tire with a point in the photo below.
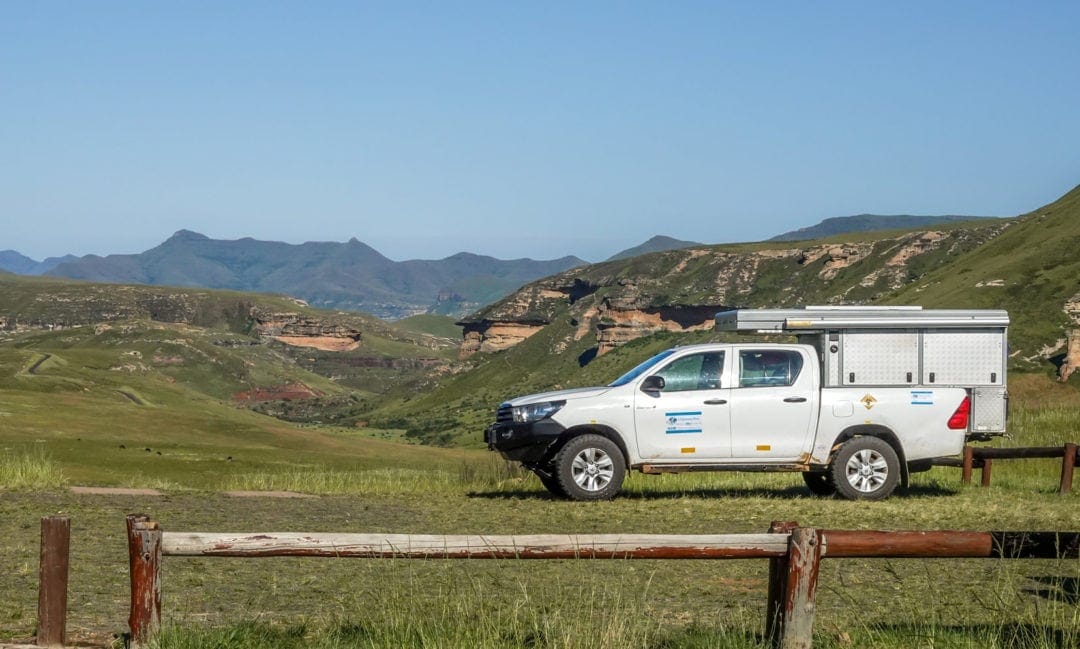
(590, 467)
(819, 484)
(865, 468)
(551, 483)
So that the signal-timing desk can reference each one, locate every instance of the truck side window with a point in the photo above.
(694, 372)
(772, 367)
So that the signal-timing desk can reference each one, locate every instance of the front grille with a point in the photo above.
(504, 415)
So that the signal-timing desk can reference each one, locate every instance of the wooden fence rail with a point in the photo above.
(794, 555)
(983, 458)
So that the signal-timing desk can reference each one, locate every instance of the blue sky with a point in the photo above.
(523, 129)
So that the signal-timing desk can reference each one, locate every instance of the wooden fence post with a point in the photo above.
(53, 580)
(778, 568)
(797, 617)
(969, 460)
(144, 554)
(1067, 464)
(987, 465)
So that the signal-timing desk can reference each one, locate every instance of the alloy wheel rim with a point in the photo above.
(592, 469)
(867, 470)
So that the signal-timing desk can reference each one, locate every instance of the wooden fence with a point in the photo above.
(983, 458)
(794, 555)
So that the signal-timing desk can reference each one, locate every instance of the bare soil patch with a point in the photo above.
(115, 491)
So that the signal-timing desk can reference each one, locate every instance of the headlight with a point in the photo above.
(536, 411)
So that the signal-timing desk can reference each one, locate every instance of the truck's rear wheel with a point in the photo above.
(865, 468)
(819, 484)
(590, 467)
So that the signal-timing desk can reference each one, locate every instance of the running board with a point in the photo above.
(687, 468)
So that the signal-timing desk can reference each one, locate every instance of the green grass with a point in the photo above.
(29, 468)
(435, 325)
(372, 486)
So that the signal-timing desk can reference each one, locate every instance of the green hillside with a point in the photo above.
(442, 326)
(1032, 270)
(219, 343)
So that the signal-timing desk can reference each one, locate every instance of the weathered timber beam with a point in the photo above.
(1019, 453)
(425, 546)
(950, 544)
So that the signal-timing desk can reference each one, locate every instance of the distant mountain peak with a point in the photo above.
(869, 223)
(187, 235)
(658, 243)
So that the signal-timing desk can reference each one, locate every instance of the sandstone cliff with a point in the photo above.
(1071, 361)
(302, 330)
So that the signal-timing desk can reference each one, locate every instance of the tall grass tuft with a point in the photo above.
(30, 468)
(492, 472)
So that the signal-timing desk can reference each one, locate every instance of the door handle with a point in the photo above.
(795, 400)
(715, 402)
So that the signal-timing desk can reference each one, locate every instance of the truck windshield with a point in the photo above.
(640, 369)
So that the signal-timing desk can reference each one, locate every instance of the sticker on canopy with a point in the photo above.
(922, 397)
(679, 423)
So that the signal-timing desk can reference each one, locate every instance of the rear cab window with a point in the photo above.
(769, 367)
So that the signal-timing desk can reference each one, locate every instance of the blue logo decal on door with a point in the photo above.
(679, 423)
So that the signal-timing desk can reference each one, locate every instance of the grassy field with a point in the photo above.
(375, 486)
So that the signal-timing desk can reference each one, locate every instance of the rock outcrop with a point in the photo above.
(301, 330)
(1072, 356)
(493, 336)
(1071, 361)
(619, 326)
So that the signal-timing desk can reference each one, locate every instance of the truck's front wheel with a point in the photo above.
(865, 468)
(590, 467)
(551, 483)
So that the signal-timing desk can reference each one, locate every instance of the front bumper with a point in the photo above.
(525, 443)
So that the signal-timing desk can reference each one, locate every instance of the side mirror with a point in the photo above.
(652, 383)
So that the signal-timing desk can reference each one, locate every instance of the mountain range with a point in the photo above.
(13, 261)
(353, 276)
(348, 276)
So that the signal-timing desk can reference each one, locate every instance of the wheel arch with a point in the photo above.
(589, 429)
(883, 433)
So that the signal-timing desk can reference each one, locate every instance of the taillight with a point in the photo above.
(959, 419)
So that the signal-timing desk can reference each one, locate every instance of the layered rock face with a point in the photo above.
(495, 336)
(1072, 348)
(304, 331)
(1072, 356)
(682, 290)
(619, 326)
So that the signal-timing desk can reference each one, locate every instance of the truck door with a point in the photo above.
(772, 404)
(688, 419)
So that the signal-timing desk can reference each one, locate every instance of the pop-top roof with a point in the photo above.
(827, 318)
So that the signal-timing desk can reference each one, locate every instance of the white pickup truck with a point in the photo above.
(866, 396)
